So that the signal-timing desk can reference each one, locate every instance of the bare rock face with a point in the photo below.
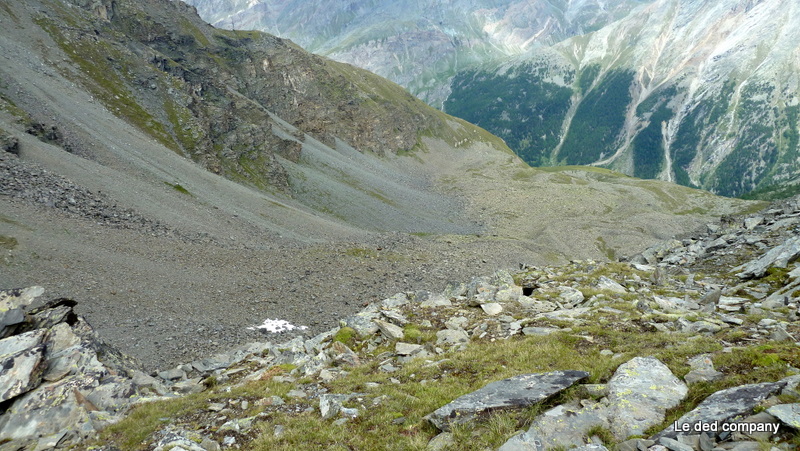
(516, 392)
(59, 383)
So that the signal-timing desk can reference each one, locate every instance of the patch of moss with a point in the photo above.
(345, 335)
(8, 242)
(177, 187)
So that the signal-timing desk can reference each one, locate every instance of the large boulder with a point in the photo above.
(639, 393)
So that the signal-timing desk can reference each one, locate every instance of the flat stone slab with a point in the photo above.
(517, 392)
(723, 406)
(789, 414)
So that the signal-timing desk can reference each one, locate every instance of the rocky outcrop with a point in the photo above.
(59, 383)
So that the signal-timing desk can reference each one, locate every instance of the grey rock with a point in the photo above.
(726, 404)
(389, 330)
(398, 300)
(702, 370)
(731, 303)
(362, 323)
(527, 441)
(788, 414)
(20, 298)
(296, 393)
(492, 308)
(9, 318)
(513, 393)
(705, 442)
(753, 222)
(441, 442)
(746, 446)
(407, 348)
(457, 323)
(189, 386)
(508, 293)
(712, 297)
(780, 334)
(240, 425)
(570, 296)
(564, 426)
(329, 406)
(533, 306)
(674, 445)
(173, 374)
(395, 317)
(640, 392)
(22, 364)
(450, 337)
(436, 300)
(604, 283)
(779, 257)
(764, 421)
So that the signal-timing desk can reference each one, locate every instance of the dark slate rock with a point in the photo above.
(725, 405)
(517, 392)
(10, 318)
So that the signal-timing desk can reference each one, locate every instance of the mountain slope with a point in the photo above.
(703, 94)
(188, 182)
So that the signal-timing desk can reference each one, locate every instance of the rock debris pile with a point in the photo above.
(28, 182)
(59, 383)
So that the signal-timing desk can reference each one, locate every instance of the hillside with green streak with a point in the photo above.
(722, 116)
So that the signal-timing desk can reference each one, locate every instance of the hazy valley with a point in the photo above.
(183, 183)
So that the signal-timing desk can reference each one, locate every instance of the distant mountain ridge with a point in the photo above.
(700, 93)
(417, 44)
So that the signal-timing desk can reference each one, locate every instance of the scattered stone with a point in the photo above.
(674, 445)
(406, 348)
(389, 330)
(492, 308)
(513, 393)
(571, 296)
(604, 283)
(297, 394)
(702, 370)
(539, 330)
(441, 442)
(450, 337)
(436, 301)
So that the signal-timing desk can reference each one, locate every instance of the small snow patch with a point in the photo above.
(276, 326)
